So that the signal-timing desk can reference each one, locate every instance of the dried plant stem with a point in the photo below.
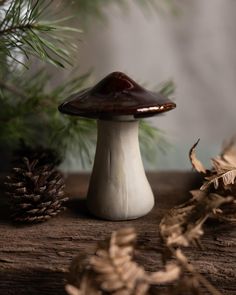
(182, 259)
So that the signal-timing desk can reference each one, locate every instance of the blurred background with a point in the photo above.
(191, 42)
(195, 47)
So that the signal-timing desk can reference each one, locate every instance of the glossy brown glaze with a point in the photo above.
(116, 95)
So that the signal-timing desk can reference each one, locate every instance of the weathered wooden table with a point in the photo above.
(34, 259)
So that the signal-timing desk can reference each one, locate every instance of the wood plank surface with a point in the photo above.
(34, 259)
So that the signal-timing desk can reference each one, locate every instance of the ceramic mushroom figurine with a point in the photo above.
(118, 188)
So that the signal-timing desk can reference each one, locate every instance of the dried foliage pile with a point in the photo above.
(216, 198)
(182, 225)
(113, 270)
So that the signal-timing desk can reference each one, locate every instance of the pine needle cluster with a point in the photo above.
(23, 30)
(28, 110)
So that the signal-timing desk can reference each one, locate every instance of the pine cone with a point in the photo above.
(36, 192)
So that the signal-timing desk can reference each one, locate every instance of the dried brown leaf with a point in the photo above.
(197, 165)
(113, 263)
(125, 236)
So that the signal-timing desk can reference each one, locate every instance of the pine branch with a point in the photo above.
(23, 31)
(30, 99)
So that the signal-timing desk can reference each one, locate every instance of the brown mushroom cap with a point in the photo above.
(116, 95)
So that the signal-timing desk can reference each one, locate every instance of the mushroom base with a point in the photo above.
(118, 188)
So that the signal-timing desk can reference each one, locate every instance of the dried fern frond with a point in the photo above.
(112, 269)
(223, 173)
(114, 266)
(221, 179)
(226, 179)
(182, 225)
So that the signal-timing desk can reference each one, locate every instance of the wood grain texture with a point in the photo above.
(34, 259)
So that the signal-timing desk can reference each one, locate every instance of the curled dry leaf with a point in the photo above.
(197, 165)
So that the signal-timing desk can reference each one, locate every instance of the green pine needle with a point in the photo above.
(23, 31)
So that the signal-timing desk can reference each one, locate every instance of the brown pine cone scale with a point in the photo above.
(36, 192)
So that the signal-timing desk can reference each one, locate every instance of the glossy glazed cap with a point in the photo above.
(116, 95)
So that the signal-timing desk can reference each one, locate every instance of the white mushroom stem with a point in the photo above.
(118, 188)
